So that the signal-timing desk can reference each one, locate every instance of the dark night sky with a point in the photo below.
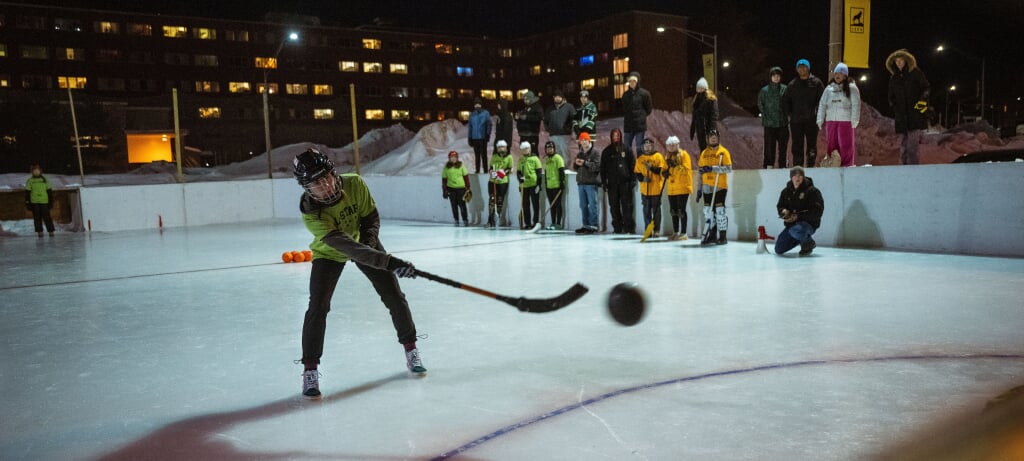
(789, 29)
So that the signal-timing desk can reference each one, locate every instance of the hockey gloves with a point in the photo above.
(921, 106)
(401, 268)
(444, 194)
(705, 169)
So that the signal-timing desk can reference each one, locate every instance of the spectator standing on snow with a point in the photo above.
(773, 119)
(908, 98)
(839, 114)
(636, 106)
(503, 129)
(558, 121)
(479, 133)
(800, 104)
(586, 117)
(528, 120)
(705, 114)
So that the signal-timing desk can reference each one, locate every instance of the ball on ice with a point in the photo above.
(626, 304)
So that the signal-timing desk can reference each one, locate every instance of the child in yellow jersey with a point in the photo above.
(679, 186)
(715, 164)
(648, 170)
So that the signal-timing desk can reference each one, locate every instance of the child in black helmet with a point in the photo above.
(340, 213)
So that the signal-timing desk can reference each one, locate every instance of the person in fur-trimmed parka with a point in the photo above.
(908, 98)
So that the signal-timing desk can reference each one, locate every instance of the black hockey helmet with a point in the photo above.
(311, 165)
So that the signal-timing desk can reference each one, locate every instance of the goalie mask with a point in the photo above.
(315, 173)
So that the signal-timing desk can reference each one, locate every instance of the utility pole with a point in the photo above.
(835, 36)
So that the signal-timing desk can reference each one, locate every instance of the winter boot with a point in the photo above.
(709, 238)
(311, 384)
(807, 247)
(721, 238)
(414, 363)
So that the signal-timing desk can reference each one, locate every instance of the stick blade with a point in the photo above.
(540, 306)
(648, 232)
(536, 227)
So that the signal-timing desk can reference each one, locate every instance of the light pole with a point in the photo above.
(266, 106)
(945, 117)
(981, 84)
(707, 39)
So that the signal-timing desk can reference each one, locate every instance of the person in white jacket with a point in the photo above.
(839, 114)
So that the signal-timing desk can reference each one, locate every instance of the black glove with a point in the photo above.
(401, 268)
(640, 177)
(444, 193)
(705, 169)
(655, 169)
(700, 193)
(664, 173)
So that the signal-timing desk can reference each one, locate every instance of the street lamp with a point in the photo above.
(981, 85)
(266, 106)
(707, 39)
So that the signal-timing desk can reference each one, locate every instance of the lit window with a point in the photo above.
(70, 54)
(3, 50)
(266, 63)
(443, 48)
(296, 88)
(271, 88)
(620, 88)
(207, 87)
(535, 70)
(399, 69)
(175, 31)
(323, 114)
(71, 82)
(204, 33)
(106, 27)
(587, 84)
(140, 29)
(620, 65)
(506, 52)
(399, 114)
(586, 60)
(348, 66)
(465, 93)
(208, 60)
(209, 112)
(374, 114)
(444, 93)
(323, 90)
(239, 87)
(372, 67)
(464, 71)
(620, 41)
(5, 81)
(464, 115)
(371, 44)
(488, 94)
(34, 52)
(422, 116)
(505, 94)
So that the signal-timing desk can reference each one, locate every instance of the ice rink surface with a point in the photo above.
(179, 345)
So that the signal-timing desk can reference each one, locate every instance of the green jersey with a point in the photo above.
(342, 216)
(553, 167)
(454, 176)
(529, 165)
(504, 163)
(37, 187)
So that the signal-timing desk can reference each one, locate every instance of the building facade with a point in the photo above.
(129, 63)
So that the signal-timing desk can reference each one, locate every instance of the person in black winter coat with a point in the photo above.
(908, 97)
(800, 206)
(617, 178)
(705, 114)
(528, 120)
(503, 129)
(636, 106)
(800, 104)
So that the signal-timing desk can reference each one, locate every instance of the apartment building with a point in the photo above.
(128, 64)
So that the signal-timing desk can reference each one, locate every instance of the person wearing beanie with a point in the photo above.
(839, 114)
(908, 98)
(503, 128)
(528, 120)
(558, 121)
(479, 133)
(636, 106)
(773, 119)
(705, 113)
(617, 166)
(800, 207)
(588, 178)
(679, 175)
(800, 106)
(649, 166)
(39, 200)
(554, 173)
(454, 185)
(500, 170)
(586, 116)
(530, 175)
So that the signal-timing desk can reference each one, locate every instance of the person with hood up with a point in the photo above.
(800, 104)
(908, 98)
(617, 166)
(705, 114)
(800, 206)
(636, 106)
(479, 133)
(528, 120)
(773, 119)
(839, 114)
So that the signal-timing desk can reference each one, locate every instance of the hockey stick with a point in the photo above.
(536, 227)
(650, 226)
(714, 190)
(534, 305)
